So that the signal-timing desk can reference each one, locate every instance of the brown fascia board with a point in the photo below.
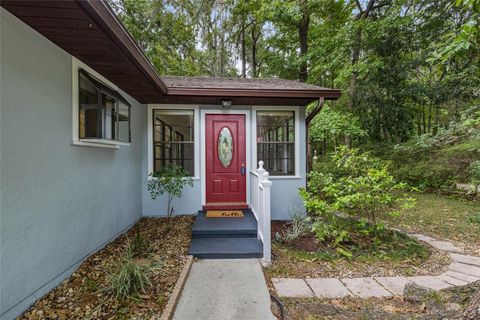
(105, 18)
(331, 94)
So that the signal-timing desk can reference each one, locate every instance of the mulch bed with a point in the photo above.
(446, 304)
(82, 296)
(286, 264)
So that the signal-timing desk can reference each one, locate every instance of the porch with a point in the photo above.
(237, 237)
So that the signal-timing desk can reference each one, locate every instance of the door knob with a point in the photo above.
(242, 168)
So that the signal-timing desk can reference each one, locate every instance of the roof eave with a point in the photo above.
(105, 18)
(261, 93)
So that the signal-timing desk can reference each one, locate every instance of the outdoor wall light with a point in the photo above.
(226, 104)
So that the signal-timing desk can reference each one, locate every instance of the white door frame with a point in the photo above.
(248, 141)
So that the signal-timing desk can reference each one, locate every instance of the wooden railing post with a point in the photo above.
(266, 215)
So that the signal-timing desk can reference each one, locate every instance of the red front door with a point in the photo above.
(225, 161)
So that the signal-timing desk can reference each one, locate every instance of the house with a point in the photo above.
(85, 118)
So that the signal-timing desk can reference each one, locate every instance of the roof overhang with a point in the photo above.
(90, 31)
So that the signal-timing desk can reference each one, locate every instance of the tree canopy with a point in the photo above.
(406, 67)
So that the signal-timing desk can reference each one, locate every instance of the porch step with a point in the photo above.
(244, 227)
(226, 248)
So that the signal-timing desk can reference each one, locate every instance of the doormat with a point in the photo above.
(224, 214)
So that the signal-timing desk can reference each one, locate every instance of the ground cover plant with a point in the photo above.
(125, 280)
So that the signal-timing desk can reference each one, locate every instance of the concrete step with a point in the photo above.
(226, 248)
(245, 227)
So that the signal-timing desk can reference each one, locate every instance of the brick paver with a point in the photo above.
(463, 270)
(366, 288)
(430, 282)
(462, 258)
(292, 287)
(393, 284)
(328, 288)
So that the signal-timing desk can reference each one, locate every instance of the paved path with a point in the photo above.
(225, 289)
(463, 269)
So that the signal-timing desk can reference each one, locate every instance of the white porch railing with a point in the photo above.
(260, 205)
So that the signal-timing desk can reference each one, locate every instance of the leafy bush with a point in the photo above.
(437, 162)
(363, 188)
(170, 180)
(299, 225)
(474, 171)
(130, 276)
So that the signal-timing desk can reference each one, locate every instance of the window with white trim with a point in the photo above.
(276, 141)
(173, 139)
(103, 114)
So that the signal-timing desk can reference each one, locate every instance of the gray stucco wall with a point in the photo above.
(58, 202)
(284, 192)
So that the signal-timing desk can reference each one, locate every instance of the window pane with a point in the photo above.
(103, 113)
(173, 139)
(276, 141)
(89, 109)
(123, 123)
(108, 119)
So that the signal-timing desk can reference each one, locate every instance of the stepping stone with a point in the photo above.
(461, 276)
(366, 288)
(462, 258)
(393, 284)
(421, 237)
(328, 288)
(465, 268)
(292, 287)
(444, 246)
(430, 282)
(452, 280)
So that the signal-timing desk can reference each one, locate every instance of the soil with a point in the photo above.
(303, 258)
(83, 294)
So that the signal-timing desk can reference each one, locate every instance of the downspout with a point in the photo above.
(309, 119)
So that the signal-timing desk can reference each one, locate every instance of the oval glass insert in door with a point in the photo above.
(225, 147)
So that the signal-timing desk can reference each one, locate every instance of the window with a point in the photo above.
(276, 141)
(104, 115)
(173, 140)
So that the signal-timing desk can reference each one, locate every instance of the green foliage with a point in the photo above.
(363, 187)
(298, 226)
(170, 180)
(139, 244)
(474, 218)
(131, 276)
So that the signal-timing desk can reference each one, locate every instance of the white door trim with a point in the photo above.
(248, 141)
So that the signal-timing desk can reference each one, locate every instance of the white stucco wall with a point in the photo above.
(58, 202)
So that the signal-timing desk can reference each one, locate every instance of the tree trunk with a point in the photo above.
(472, 311)
(303, 39)
(357, 43)
(243, 49)
(254, 53)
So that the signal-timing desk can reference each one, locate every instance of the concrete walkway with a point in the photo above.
(463, 270)
(225, 289)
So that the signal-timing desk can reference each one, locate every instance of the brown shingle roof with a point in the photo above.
(237, 83)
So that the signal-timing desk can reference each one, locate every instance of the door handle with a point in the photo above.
(242, 168)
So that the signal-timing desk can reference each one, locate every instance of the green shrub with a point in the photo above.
(130, 276)
(363, 188)
(170, 180)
